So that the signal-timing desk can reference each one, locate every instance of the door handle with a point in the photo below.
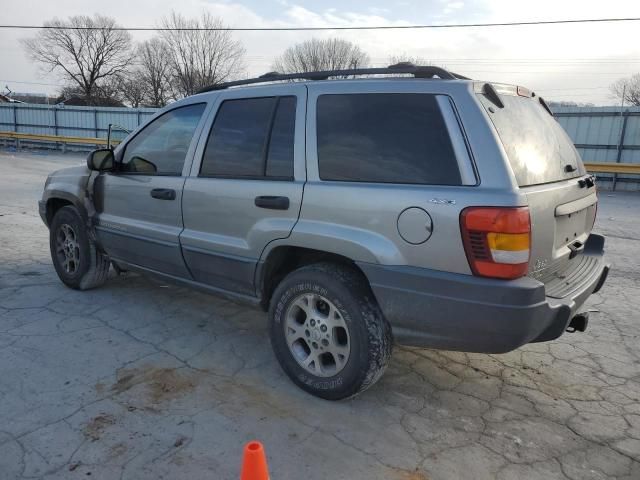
(163, 193)
(271, 202)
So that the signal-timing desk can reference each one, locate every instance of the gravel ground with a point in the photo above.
(140, 380)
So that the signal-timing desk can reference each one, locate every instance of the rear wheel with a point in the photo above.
(328, 332)
(77, 261)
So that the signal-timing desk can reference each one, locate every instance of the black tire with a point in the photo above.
(91, 268)
(369, 334)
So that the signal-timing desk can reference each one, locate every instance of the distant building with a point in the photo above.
(7, 99)
(77, 101)
(37, 98)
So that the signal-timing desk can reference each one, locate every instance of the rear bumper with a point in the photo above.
(428, 308)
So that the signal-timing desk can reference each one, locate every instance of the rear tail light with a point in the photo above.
(497, 240)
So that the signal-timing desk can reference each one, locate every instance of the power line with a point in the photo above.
(379, 27)
(569, 89)
(31, 83)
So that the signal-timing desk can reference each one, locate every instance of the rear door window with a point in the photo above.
(384, 138)
(538, 148)
(281, 143)
(252, 138)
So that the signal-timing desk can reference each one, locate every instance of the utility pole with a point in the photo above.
(623, 128)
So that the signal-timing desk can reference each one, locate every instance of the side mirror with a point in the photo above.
(101, 160)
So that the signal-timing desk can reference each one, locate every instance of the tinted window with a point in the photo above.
(389, 138)
(538, 148)
(161, 147)
(238, 138)
(251, 137)
(280, 157)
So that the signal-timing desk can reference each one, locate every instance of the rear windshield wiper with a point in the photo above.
(544, 104)
(492, 94)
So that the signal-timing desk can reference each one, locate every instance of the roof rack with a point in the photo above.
(426, 71)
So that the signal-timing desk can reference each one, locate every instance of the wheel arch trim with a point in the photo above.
(264, 270)
(52, 195)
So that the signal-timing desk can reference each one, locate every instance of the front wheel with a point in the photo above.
(78, 262)
(328, 332)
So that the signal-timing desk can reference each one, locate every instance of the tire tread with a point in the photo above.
(350, 282)
(98, 263)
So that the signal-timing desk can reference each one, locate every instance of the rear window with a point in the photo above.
(384, 138)
(538, 148)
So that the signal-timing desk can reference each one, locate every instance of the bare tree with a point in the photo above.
(132, 88)
(406, 58)
(631, 88)
(316, 54)
(107, 94)
(200, 57)
(86, 55)
(155, 72)
(569, 103)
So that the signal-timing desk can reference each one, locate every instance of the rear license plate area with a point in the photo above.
(570, 228)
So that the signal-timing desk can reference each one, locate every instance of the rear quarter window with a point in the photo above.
(384, 138)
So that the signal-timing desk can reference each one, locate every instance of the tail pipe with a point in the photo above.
(578, 323)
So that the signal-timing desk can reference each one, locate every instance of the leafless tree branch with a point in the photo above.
(316, 54)
(155, 72)
(405, 57)
(200, 58)
(631, 88)
(85, 57)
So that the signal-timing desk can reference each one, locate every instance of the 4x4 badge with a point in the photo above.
(442, 201)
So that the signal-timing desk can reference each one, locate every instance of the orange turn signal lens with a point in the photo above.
(511, 242)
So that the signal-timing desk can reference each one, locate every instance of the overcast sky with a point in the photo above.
(562, 62)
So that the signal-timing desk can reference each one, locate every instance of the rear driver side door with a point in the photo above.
(246, 183)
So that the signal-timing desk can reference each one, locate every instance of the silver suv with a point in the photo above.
(421, 207)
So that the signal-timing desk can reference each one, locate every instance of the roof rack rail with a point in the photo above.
(427, 71)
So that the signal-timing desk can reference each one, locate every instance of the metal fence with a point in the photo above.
(601, 134)
(68, 121)
(605, 134)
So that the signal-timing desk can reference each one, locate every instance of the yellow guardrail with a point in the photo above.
(611, 167)
(55, 138)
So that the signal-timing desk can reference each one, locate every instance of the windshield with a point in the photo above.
(538, 148)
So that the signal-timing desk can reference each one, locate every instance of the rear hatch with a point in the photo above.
(561, 196)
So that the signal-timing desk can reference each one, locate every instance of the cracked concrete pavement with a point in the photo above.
(141, 380)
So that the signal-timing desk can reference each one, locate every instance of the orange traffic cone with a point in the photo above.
(254, 463)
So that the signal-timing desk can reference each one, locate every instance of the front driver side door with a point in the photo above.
(139, 204)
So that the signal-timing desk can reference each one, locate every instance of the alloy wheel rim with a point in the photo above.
(317, 335)
(68, 248)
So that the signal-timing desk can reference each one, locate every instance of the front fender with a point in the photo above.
(67, 185)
